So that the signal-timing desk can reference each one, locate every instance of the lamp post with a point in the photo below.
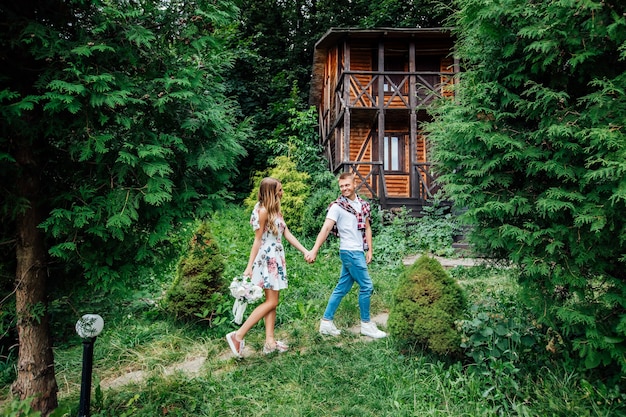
(88, 328)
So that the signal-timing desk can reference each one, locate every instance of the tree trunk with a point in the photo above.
(35, 367)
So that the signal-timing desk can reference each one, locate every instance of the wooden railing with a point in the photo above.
(367, 88)
(376, 187)
(424, 184)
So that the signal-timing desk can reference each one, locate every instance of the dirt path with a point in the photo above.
(193, 365)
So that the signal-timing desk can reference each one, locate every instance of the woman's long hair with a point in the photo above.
(268, 198)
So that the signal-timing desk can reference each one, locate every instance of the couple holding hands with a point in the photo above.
(347, 217)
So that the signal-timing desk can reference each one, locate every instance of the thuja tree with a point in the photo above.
(115, 129)
(534, 146)
(296, 186)
(197, 289)
(426, 305)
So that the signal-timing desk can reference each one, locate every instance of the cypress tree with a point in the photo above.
(534, 146)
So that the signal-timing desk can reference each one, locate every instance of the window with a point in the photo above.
(393, 148)
(394, 64)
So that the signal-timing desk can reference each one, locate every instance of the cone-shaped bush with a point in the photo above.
(199, 285)
(427, 303)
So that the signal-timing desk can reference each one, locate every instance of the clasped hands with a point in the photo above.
(310, 256)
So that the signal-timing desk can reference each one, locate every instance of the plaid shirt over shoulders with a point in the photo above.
(360, 217)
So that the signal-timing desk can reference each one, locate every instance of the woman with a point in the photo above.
(266, 265)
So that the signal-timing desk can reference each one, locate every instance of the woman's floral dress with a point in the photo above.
(269, 270)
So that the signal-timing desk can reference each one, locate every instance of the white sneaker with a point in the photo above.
(328, 328)
(370, 329)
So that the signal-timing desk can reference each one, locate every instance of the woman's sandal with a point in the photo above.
(231, 338)
(280, 347)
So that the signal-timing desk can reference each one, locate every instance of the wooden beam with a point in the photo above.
(346, 99)
(413, 191)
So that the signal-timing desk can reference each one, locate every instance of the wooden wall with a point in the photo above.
(361, 60)
(363, 110)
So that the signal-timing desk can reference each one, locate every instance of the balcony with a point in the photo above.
(370, 89)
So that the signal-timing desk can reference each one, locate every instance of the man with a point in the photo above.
(349, 217)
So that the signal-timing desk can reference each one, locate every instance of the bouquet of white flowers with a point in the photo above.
(244, 292)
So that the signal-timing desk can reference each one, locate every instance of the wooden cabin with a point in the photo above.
(372, 88)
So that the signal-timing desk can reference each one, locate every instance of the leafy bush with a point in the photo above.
(325, 190)
(298, 139)
(495, 331)
(197, 289)
(295, 185)
(435, 230)
(19, 408)
(499, 323)
(393, 239)
(500, 335)
(315, 210)
(427, 303)
(399, 234)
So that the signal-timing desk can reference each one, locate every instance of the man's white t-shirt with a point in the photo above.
(350, 237)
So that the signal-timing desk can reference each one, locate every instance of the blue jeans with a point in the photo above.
(353, 269)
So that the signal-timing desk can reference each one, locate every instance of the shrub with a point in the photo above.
(198, 286)
(19, 408)
(295, 185)
(435, 230)
(392, 238)
(427, 303)
(316, 209)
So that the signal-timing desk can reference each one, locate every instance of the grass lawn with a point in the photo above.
(138, 359)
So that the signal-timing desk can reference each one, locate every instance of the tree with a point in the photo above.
(406, 13)
(534, 147)
(198, 286)
(115, 130)
(427, 303)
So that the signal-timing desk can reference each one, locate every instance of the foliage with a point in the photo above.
(533, 146)
(8, 340)
(435, 230)
(299, 141)
(296, 189)
(400, 234)
(199, 284)
(325, 191)
(131, 123)
(496, 337)
(139, 338)
(427, 303)
(114, 114)
(394, 238)
(19, 408)
(411, 14)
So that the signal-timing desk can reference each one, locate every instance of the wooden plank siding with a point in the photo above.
(361, 81)
(373, 84)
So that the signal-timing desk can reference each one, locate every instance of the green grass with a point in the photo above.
(348, 377)
(319, 376)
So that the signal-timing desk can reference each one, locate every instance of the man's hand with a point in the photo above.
(310, 256)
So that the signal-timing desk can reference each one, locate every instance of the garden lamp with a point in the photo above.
(88, 328)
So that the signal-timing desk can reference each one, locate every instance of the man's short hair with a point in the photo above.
(346, 176)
